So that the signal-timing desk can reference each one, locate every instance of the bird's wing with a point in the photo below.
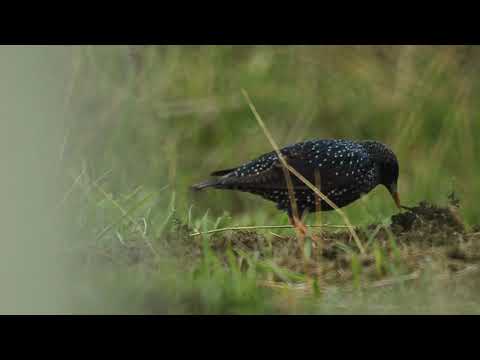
(267, 171)
(222, 172)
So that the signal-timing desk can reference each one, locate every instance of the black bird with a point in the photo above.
(345, 170)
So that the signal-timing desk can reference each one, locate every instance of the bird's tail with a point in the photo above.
(204, 184)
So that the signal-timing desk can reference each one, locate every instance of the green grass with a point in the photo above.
(154, 120)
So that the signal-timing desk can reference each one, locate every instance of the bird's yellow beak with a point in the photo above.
(394, 192)
(396, 198)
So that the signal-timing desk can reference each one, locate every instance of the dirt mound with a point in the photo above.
(427, 216)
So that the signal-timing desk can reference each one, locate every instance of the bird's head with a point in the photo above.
(388, 167)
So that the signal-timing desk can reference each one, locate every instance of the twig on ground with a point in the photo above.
(260, 227)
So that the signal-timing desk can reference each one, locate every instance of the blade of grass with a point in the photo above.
(70, 190)
(301, 177)
(260, 227)
(125, 215)
(279, 155)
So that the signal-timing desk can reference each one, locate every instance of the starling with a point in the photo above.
(344, 169)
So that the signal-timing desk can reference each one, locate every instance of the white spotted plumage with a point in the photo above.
(347, 169)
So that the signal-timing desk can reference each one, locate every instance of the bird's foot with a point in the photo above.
(315, 238)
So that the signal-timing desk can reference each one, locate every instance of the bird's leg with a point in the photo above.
(301, 228)
(315, 238)
(300, 231)
(298, 225)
